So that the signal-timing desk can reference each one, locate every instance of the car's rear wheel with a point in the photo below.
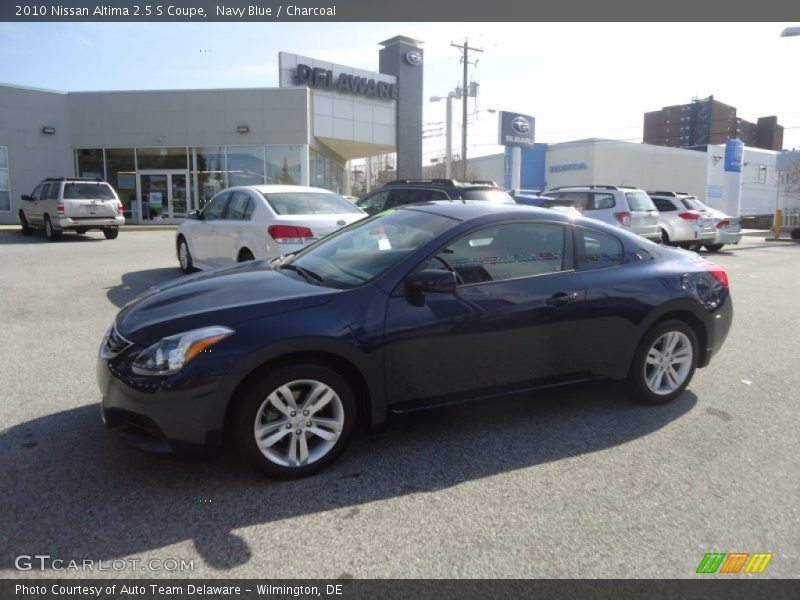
(296, 420)
(50, 232)
(111, 233)
(184, 256)
(664, 237)
(664, 363)
(26, 228)
(714, 247)
(246, 255)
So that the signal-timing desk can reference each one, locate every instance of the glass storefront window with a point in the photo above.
(5, 191)
(283, 165)
(161, 158)
(208, 166)
(245, 165)
(89, 163)
(325, 172)
(121, 174)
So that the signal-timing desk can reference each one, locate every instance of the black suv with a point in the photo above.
(412, 191)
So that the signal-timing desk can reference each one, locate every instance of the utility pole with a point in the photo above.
(465, 93)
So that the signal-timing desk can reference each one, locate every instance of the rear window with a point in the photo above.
(639, 201)
(693, 204)
(492, 195)
(309, 203)
(88, 191)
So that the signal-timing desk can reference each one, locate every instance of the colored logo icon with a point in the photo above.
(521, 125)
(734, 562)
(414, 58)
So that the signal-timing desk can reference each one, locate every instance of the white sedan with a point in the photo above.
(259, 222)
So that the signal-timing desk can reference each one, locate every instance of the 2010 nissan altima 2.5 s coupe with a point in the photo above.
(282, 359)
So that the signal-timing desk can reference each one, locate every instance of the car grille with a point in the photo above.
(114, 343)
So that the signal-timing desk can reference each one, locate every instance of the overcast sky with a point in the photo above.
(578, 79)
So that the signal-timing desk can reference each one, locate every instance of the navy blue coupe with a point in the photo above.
(283, 359)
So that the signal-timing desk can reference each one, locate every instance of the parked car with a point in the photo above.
(625, 207)
(727, 229)
(418, 306)
(60, 204)
(258, 222)
(683, 220)
(531, 198)
(413, 191)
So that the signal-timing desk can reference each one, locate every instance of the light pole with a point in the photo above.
(777, 220)
(448, 132)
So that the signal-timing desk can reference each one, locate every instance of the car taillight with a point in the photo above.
(724, 224)
(717, 271)
(119, 209)
(60, 209)
(289, 234)
(690, 215)
(624, 218)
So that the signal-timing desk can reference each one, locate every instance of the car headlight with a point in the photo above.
(169, 355)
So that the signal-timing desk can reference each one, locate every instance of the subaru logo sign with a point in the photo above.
(516, 130)
(521, 125)
(413, 57)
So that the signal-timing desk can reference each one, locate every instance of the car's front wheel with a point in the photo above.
(664, 363)
(26, 228)
(184, 256)
(296, 420)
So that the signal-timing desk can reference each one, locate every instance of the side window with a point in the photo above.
(374, 203)
(53, 194)
(37, 192)
(402, 197)
(579, 200)
(504, 252)
(249, 209)
(237, 206)
(603, 201)
(43, 193)
(597, 250)
(664, 205)
(214, 209)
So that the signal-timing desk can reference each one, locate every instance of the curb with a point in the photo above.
(769, 239)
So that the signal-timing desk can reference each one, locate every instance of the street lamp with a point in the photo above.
(448, 132)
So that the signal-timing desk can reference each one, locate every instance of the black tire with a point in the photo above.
(694, 246)
(80, 231)
(187, 265)
(714, 247)
(664, 238)
(248, 413)
(50, 232)
(637, 378)
(26, 229)
(111, 233)
(245, 255)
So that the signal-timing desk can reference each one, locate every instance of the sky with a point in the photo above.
(579, 80)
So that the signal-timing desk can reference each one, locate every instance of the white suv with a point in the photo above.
(684, 221)
(71, 204)
(626, 207)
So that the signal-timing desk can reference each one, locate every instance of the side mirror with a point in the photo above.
(26, 197)
(431, 280)
(195, 214)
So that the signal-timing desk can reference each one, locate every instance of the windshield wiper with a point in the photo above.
(308, 275)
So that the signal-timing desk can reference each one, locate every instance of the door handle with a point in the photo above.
(561, 299)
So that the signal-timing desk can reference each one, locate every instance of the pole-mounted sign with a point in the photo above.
(516, 129)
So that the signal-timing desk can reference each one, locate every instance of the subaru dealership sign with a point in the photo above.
(516, 129)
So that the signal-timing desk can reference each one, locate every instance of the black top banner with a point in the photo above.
(391, 10)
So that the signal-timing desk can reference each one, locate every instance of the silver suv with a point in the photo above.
(626, 207)
(71, 204)
(684, 221)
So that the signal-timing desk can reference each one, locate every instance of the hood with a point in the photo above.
(221, 297)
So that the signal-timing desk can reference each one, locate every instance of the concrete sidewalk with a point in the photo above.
(125, 228)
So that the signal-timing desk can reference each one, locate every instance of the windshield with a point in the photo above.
(693, 204)
(309, 203)
(490, 194)
(639, 201)
(358, 254)
(88, 191)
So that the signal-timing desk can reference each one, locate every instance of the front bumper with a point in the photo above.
(89, 222)
(182, 414)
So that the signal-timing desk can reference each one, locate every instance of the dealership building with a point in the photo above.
(168, 151)
(698, 171)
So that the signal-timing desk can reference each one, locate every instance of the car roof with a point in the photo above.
(442, 183)
(472, 209)
(280, 189)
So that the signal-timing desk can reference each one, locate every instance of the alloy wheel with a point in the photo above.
(183, 255)
(668, 363)
(299, 423)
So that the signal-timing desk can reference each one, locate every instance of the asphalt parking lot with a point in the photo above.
(577, 482)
